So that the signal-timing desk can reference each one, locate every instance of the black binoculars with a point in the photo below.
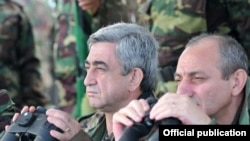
(31, 126)
(138, 130)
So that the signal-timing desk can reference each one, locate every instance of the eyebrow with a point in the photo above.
(97, 63)
(190, 73)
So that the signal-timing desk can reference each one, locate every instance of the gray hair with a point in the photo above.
(135, 48)
(232, 54)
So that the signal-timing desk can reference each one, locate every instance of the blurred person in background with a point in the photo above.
(19, 71)
(174, 22)
(42, 23)
(66, 50)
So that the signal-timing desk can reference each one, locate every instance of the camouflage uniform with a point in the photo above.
(95, 127)
(174, 22)
(7, 110)
(127, 11)
(95, 124)
(65, 55)
(42, 24)
(19, 73)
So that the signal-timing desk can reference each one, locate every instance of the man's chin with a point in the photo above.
(94, 104)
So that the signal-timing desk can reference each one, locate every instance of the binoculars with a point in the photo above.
(138, 130)
(31, 126)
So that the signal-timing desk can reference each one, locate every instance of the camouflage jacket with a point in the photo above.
(19, 71)
(174, 22)
(95, 124)
(125, 11)
(64, 54)
(7, 110)
(65, 59)
(42, 25)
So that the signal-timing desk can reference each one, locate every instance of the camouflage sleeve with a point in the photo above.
(7, 110)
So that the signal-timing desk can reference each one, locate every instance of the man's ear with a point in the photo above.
(135, 79)
(239, 79)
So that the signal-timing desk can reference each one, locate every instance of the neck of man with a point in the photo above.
(109, 118)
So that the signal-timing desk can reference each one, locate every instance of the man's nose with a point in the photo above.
(185, 87)
(89, 79)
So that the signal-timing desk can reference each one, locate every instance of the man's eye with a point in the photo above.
(177, 79)
(101, 69)
(198, 78)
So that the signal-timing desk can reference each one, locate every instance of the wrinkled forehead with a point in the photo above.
(103, 51)
(205, 49)
(199, 56)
